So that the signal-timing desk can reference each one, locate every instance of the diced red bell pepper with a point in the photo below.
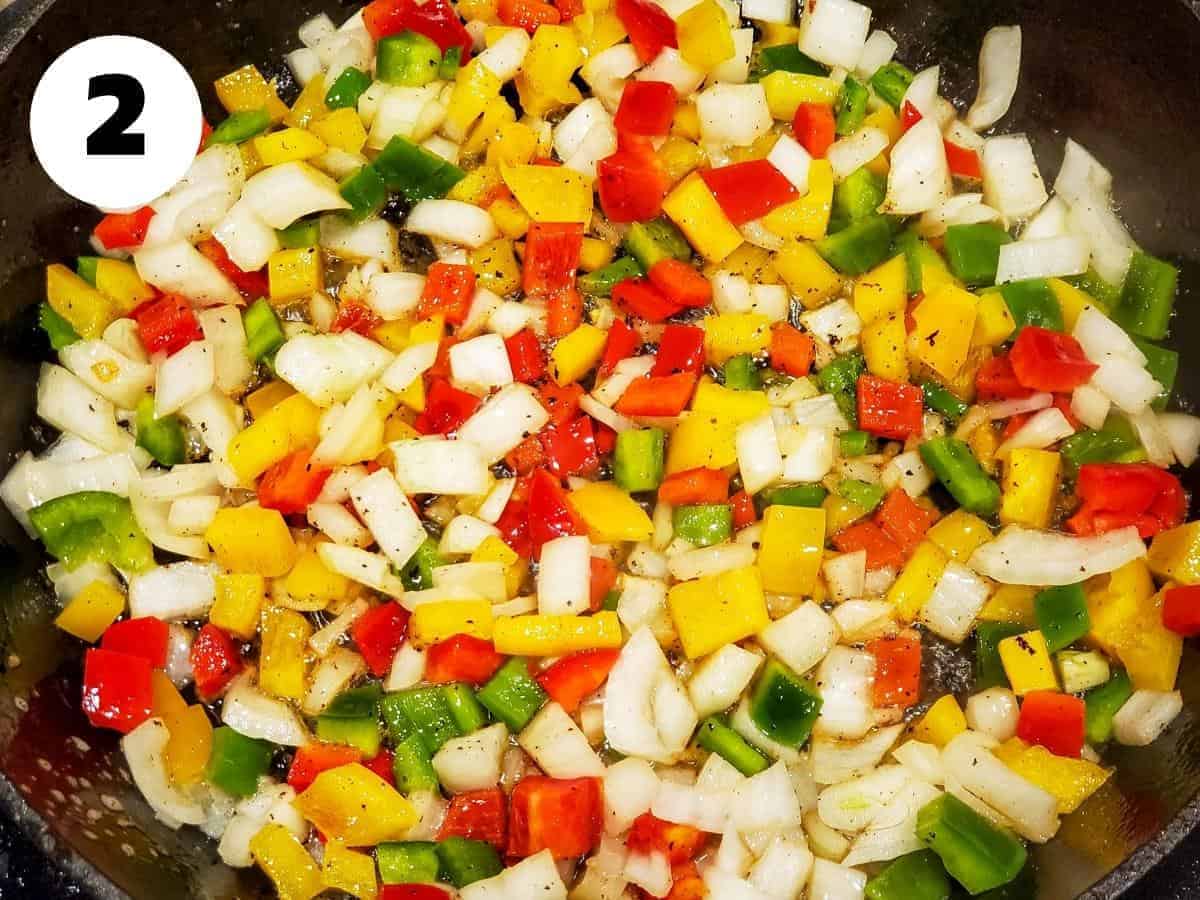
(1062, 402)
(379, 632)
(904, 520)
(356, 317)
(449, 289)
(633, 181)
(577, 676)
(679, 843)
(815, 128)
(606, 439)
(549, 511)
(436, 19)
(792, 351)
(569, 9)
(205, 130)
(662, 395)
(551, 257)
(528, 14)
(681, 283)
(446, 408)
(441, 362)
(116, 689)
(909, 115)
(963, 162)
(1053, 720)
(749, 190)
(315, 757)
(622, 343)
(477, 816)
(561, 402)
(463, 657)
(120, 231)
(650, 27)
(571, 449)
(411, 892)
(647, 108)
(145, 636)
(639, 297)
(744, 512)
(602, 579)
(680, 349)
(882, 551)
(693, 486)
(250, 285)
(996, 380)
(564, 312)
(526, 456)
(564, 816)
(890, 409)
(382, 764)
(167, 324)
(525, 356)
(897, 670)
(215, 661)
(686, 884)
(1181, 610)
(1116, 495)
(293, 483)
(1046, 360)
(1013, 424)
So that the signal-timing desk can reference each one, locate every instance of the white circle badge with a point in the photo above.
(115, 121)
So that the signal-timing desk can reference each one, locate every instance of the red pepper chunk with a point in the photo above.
(661, 395)
(897, 670)
(551, 257)
(650, 27)
(379, 632)
(1181, 610)
(882, 552)
(564, 816)
(356, 317)
(601, 579)
(549, 511)
(1053, 720)
(382, 764)
(639, 297)
(116, 689)
(449, 289)
(622, 343)
(1116, 495)
(293, 483)
(167, 324)
(815, 128)
(577, 676)
(963, 162)
(525, 356)
(250, 285)
(463, 657)
(411, 892)
(1046, 360)
(215, 661)
(909, 115)
(446, 408)
(145, 636)
(744, 512)
(119, 231)
(904, 520)
(749, 190)
(681, 349)
(562, 403)
(313, 758)
(679, 843)
(571, 449)
(647, 108)
(477, 816)
(632, 182)
(694, 486)
(569, 9)
(526, 456)
(564, 312)
(996, 380)
(680, 283)
(889, 409)
(436, 19)
(792, 351)
(528, 14)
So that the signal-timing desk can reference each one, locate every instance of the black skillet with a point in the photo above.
(1118, 76)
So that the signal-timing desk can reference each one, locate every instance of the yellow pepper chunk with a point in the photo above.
(1175, 554)
(960, 534)
(692, 206)
(679, 157)
(791, 549)
(496, 115)
(551, 193)
(311, 586)
(309, 105)
(753, 263)
(942, 723)
(883, 291)
(945, 322)
(886, 120)
(510, 218)
(1071, 781)
(917, 580)
(346, 870)
(806, 274)
(293, 274)
(993, 321)
(840, 513)
(1030, 483)
(1027, 663)
(611, 514)
(289, 866)
(514, 144)
(342, 129)
(119, 281)
(283, 661)
(539, 635)
(732, 334)
(1072, 301)
(544, 82)
(481, 184)
(701, 440)
(1011, 603)
(598, 30)
(595, 254)
(245, 90)
(712, 612)
(984, 442)
(475, 86)
(442, 619)
(739, 406)
(353, 804)
(252, 539)
(807, 217)
(239, 599)
(267, 397)
(88, 310)
(577, 353)
(290, 424)
(787, 90)
(884, 345)
(495, 264)
(493, 549)
(91, 611)
(190, 732)
(1126, 620)
(704, 36)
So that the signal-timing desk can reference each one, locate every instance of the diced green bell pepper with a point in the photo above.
(264, 331)
(424, 711)
(855, 443)
(741, 374)
(236, 762)
(862, 493)
(300, 234)
(658, 239)
(85, 268)
(891, 83)
(362, 732)
(92, 526)
(1110, 443)
(601, 282)
(412, 766)
(840, 378)
(809, 495)
(408, 862)
(464, 708)
(783, 705)
(973, 252)
(611, 599)
(976, 853)
(1163, 365)
(347, 88)
(451, 61)
(1106, 294)
(164, 438)
(989, 670)
(241, 126)
(639, 458)
(784, 58)
(407, 59)
(915, 876)
(356, 703)
(851, 107)
(1148, 297)
(365, 191)
(941, 400)
(1103, 703)
(716, 736)
(859, 247)
(918, 255)
(414, 172)
(58, 330)
(417, 574)
(1032, 303)
(1062, 615)
(512, 696)
(957, 468)
(464, 861)
(703, 524)
(856, 198)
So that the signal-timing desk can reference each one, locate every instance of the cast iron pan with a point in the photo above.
(1118, 76)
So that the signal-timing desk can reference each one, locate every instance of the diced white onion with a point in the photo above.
(919, 178)
(854, 151)
(145, 754)
(999, 70)
(182, 590)
(994, 712)
(802, 637)
(1153, 439)
(1145, 716)
(1046, 427)
(957, 598)
(1025, 556)
(472, 762)
(557, 745)
(877, 52)
(329, 368)
(733, 114)
(1032, 810)
(440, 467)
(671, 67)
(834, 32)
(893, 831)
(844, 682)
(1006, 409)
(1183, 434)
(1012, 182)
(1055, 257)
(452, 220)
(505, 419)
(1090, 406)
(251, 713)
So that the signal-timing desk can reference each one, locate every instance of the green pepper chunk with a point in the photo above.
(891, 83)
(85, 268)
(1148, 297)
(915, 876)
(423, 711)
(407, 59)
(356, 703)
(450, 64)
(1163, 366)
(611, 599)
(362, 732)
(300, 234)
(601, 282)
(741, 374)
(468, 715)
(264, 331)
(1113, 441)
(957, 468)
(414, 172)
(851, 106)
(716, 736)
(703, 524)
(1062, 615)
(1106, 294)
(1102, 703)
(163, 438)
(412, 765)
(783, 705)
(639, 458)
(855, 443)
(941, 400)
(918, 255)
(241, 126)
(862, 493)
(976, 853)
(658, 239)
(512, 696)
(60, 332)
(365, 191)
(237, 762)
(859, 247)
(989, 670)
(809, 495)
(408, 862)
(92, 526)
(1032, 303)
(417, 574)
(856, 198)
(840, 378)
(973, 252)
(784, 58)
(347, 88)
(464, 861)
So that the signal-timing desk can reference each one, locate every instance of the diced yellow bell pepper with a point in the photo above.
(283, 660)
(268, 396)
(759, 149)
(190, 732)
(91, 611)
(774, 33)
(945, 321)
(289, 866)
(245, 90)
(88, 310)
(701, 440)
(753, 263)
(732, 334)
(807, 217)
(917, 580)
(787, 90)
(119, 281)
(475, 86)
(342, 129)
(293, 274)
(1126, 622)
(1030, 484)
(960, 534)
(250, 161)
(239, 600)
(252, 539)
(598, 30)
(483, 10)
(510, 217)
(539, 635)
(309, 105)
(544, 82)
(984, 442)
(479, 187)
(993, 321)
(551, 193)
(738, 406)
(882, 291)
(686, 122)
(442, 619)
(514, 144)
(942, 723)
(345, 870)
(576, 354)
(428, 330)
(290, 424)
(1071, 781)
(704, 36)
(840, 513)
(495, 264)
(884, 347)
(692, 206)
(1175, 554)
(1072, 301)
(493, 549)
(610, 514)
(1027, 663)
(595, 254)
(712, 612)
(886, 120)
(394, 335)
(311, 586)
(288, 145)
(496, 114)
(806, 274)
(791, 549)
(1012, 603)
(353, 804)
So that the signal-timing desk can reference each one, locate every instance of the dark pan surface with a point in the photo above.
(1118, 76)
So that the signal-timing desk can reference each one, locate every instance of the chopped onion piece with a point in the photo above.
(846, 575)
(671, 67)
(734, 114)
(994, 712)
(1145, 716)
(919, 178)
(922, 92)
(1055, 257)
(852, 805)
(854, 151)
(1153, 439)
(834, 32)
(844, 682)
(1101, 338)
(145, 754)
(1183, 434)
(1026, 556)
(1090, 406)
(721, 678)
(1032, 810)
(836, 761)
(472, 762)
(630, 787)
(877, 52)
(893, 832)
(452, 220)
(1012, 182)
(1081, 176)
(999, 71)
(802, 638)
(250, 712)
(557, 745)
(1046, 427)
(957, 598)
(1006, 409)
(831, 881)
